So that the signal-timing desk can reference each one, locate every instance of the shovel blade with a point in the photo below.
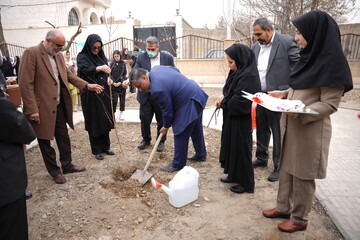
(141, 176)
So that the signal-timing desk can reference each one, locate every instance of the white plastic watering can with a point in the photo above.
(183, 188)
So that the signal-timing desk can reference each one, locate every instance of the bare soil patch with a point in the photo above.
(104, 203)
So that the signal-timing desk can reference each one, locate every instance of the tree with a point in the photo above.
(283, 11)
(3, 46)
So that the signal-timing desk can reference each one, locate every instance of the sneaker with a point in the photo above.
(121, 117)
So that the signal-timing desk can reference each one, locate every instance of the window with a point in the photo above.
(73, 18)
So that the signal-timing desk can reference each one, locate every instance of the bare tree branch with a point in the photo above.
(78, 31)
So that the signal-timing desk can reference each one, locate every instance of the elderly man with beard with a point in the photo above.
(43, 80)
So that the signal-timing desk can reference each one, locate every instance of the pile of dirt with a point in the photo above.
(105, 203)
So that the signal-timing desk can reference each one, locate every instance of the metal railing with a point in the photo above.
(186, 47)
(13, 49)
(197, 47)
(351, 45)
(117, 44)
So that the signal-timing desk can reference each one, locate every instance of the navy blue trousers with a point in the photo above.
(181, 142)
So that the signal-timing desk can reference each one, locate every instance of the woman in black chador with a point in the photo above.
(93, 68)
(236, 137)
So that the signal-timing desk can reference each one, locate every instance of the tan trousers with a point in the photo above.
(295, 197)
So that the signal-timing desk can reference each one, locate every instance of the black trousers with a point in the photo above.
(147, 112)
(267, 123)
(63, 142)
(13, 220)
(100, 143)
(115, 98)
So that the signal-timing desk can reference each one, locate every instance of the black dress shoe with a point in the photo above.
(143, 144)
(109, 152)
(170, 168)
(161, 147)
(28, 195)
(274, 176)
(196, 158)
(99, 156)
(259, 163)
(239, 189)
(224, 180)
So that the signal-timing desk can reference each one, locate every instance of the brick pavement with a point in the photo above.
(339, 193)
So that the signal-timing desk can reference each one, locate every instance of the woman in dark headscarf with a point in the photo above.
(93, 68)
(7, 68)
(236, 136)
(126, 57)
(118, 75)
(16, 65)
(319, 79)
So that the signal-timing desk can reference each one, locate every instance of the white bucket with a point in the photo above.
(183, 188)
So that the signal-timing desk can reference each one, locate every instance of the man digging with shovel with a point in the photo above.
(182, 103)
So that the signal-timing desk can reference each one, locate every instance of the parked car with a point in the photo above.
(214, 54)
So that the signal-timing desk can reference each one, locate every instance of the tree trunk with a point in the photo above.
(3, 46)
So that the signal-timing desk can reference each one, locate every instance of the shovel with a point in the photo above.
(144, 176)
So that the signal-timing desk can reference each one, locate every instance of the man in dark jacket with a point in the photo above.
(276, 54)
(15, 132)
(147, 60)
(182, 102)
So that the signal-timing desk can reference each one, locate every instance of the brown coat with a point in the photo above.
(306, 140)
(39, 89)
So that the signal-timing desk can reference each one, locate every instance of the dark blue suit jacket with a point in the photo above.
(143, 61)
(179, 97)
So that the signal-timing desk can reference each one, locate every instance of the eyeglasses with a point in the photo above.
(96, 48)
(57, 45)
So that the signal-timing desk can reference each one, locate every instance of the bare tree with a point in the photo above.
(283, 11)
(72, 39)
(3, 47)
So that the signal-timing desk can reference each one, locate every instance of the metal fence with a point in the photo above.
(185, 47)
(351, 45)
(192, 46)
(117, 44)
(13, 50)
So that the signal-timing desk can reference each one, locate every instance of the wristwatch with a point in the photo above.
(86, 86)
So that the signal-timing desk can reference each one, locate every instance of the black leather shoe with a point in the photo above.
(99, 156)
(161, 147)
(28, 195)
(196, 158)
(109, 152)
(224, 180)
(258, 163)
(170, 168)
(144, 144)
(274, 176)
(239, 189)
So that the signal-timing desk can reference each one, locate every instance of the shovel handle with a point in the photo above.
(153, 152)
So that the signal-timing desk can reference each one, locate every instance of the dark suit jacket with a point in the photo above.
(143, 61)
(283, 56)
(15, 131)
(178, 97)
